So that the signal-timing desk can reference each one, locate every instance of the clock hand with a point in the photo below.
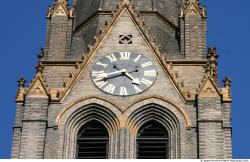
(110, 75)
(133, 71)
(134, 80)
(116, 73)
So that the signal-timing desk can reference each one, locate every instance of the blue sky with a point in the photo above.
(23, 27)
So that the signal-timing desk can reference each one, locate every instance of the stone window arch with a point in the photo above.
(92, 141)
(77, 117)
(163, 116)
(152, 141)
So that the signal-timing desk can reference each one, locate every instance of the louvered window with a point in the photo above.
(92, 141)
(152, 141)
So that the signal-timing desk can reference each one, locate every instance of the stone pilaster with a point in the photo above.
(34, 121)
(209, 122)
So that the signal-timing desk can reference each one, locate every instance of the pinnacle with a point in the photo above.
(21, 82)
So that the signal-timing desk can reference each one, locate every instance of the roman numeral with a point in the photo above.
(147, 64)
(110, 89)
(137, 90)
(123, 91)
(100, 83)
(125, 55)
(137, 58)
(98, 74)
(146, 82)
(101, 64)
(112, 58)
(150, 73)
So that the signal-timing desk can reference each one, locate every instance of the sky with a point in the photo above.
(22, 31)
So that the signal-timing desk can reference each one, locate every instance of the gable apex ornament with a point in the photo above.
(192, 7)
(37, 87)
(208, 89)
(60, 8)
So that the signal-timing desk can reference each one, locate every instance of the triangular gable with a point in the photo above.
(37, 88)
(209, 89)
(60, 9)
(192, 7)
(125, 7)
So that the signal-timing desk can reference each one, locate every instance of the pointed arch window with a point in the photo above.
(152, 141)
(92, 141)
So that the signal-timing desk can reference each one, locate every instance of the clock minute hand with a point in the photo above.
(134, 81)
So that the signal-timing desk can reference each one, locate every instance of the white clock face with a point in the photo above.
(123, 73)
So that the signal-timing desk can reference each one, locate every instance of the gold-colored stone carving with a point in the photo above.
(60, 8)
(192, 7)
(209, 89)
(37, 88)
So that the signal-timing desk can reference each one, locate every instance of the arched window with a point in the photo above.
(92, 141)
(152, 141)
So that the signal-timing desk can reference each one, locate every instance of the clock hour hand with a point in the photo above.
(134, 80)
(110, 75)
(116, 73)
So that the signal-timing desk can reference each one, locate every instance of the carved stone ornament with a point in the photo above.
(60, 8)
(21, 90)
(226, 91)
(37, 88)
(209, 90)
(21, 82)
(192, 7)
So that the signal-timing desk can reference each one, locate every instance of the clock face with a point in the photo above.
(123, 73)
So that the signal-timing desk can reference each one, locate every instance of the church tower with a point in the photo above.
(124, 79)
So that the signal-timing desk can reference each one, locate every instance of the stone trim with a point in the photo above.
(157, 100)
(97, 99)
(81, 113)
(160, 114)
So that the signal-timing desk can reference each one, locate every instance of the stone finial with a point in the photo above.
(21, 82)
(212, 54)
(211, 66)
(227, 82)
(227, 89)
(21, 90)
